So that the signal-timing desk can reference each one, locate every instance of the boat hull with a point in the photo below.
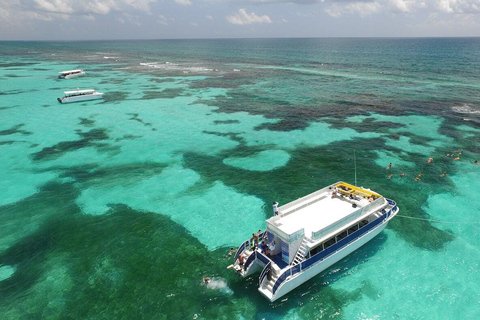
(71, 76)
(311, 272)
(80, 98)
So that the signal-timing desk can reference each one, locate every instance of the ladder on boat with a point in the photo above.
(271, 279)
(301, 253)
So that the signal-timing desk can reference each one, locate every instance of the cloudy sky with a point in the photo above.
(173, 19)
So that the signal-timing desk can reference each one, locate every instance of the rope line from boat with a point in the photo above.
(438, 221)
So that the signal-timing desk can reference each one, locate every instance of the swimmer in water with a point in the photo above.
(443, 174)
(429, 160)
(206, 280)
(390, 175)
(402, 174)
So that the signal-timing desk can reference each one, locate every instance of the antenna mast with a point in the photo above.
(355, 165)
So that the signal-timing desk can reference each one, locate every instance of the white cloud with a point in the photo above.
(162, 20)
(54, 6)
(89, 17)
(454, 24)
(280, 1)
(209, 17)
(363, 9)
(101, 7)
(401, 5)
(184, 2)
(458, 6)
(242, 17)
(131, 19)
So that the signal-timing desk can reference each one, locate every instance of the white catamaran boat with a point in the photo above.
(310, 234)
(80, 95)
(70, 74)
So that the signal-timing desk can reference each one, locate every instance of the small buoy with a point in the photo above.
(230, 266)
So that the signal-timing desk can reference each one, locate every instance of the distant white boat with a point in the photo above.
(71, 74)
(80, 95)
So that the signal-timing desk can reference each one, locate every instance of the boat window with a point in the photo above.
(316, 250)
(363, 223)
(353, 229)
(329, 242)
(341, 235)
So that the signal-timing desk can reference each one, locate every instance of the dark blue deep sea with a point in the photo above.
(117, 208)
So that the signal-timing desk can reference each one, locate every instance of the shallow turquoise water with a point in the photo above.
(118, 208)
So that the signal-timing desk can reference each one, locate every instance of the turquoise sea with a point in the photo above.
(117, 208)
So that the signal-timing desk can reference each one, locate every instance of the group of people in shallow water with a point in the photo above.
(456, 156)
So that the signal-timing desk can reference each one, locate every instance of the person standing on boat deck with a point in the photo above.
(271, 248)
(255, 240)
(264, 248)
(275, 208)
(240, 260)
(334, 192)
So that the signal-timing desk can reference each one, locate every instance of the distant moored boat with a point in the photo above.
(70, 74)
(80, 95)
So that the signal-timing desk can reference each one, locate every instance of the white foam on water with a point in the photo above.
(262, 161)
(220, 284)
(465, 108)
(193, 67)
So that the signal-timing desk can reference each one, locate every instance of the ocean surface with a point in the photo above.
(117, 208)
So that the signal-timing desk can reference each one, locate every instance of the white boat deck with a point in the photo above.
(319, 214)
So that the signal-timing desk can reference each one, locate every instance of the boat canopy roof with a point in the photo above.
(70, 71)
(318, 214)
(80, 91)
